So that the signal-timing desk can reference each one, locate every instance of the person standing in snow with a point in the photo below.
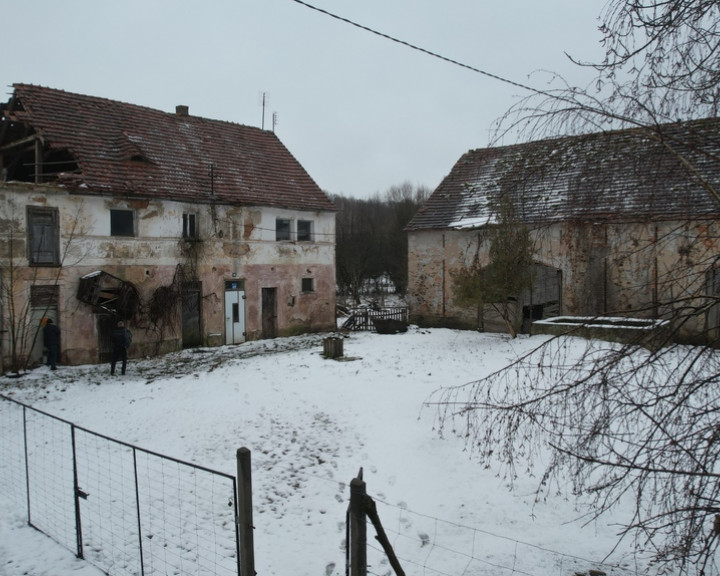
(51, 341)
(121, 340)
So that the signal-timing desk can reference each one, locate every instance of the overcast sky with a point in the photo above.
(360, 112)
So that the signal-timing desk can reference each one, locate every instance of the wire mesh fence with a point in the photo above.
(127, 510)
(432, 546)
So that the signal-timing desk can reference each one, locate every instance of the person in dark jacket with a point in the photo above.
(51, 341)
(121, 340)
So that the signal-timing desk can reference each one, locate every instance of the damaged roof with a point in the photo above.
(662, 173)
(134, 151)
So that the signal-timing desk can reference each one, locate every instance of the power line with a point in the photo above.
(430, 53)
(571, 100)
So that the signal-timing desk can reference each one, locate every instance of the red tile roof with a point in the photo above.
(661, 173)
(129, 150)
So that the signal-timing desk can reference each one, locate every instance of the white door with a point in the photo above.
(234, 316)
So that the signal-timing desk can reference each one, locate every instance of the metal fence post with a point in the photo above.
(137, 509)
(76, 495)
(27, 465)
(358, 527)
(245, 517)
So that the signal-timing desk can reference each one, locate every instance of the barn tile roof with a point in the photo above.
(130, 150)
(662, 173)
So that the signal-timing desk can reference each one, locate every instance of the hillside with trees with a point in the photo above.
(371, 240)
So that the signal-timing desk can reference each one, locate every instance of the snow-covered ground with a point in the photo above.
(311, 424)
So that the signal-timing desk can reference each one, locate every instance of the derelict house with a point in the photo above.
(196, 232)
(624, 223)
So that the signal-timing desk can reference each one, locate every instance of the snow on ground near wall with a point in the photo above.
(311, 424)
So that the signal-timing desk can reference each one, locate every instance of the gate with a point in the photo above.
(127, 510)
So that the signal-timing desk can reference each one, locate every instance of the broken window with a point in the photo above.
(109, 293)
(305, 231)
(122, 223)
(190, 230)
(282, 229)
(43, 236)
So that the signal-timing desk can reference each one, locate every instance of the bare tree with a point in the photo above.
(17, 279)
(500, 281)
(624, 423)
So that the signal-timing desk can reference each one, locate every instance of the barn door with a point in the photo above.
(544, 298)
(191, 334)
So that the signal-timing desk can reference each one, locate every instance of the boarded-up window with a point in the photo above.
(44, 296)
(43, 236)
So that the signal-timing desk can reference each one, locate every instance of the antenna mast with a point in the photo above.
(264, 99)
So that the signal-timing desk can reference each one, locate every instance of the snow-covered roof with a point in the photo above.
(662, 173)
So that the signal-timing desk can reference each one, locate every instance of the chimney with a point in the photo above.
(182, 110)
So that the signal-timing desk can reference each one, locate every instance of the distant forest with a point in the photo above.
(371, 240)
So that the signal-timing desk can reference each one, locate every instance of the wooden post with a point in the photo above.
(245, 516)
(358, 527)
(38, 160)
(371, 511)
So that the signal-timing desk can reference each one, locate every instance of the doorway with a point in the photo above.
(234, 311)
(191, 297)
(43, 304)
(269, 312)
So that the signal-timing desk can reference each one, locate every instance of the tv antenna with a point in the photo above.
(264, 101)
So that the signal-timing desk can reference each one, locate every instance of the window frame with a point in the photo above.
(304, 282)
(114, 231)
(280, 233)
(307, 235)
(49, 243)
(190, 226)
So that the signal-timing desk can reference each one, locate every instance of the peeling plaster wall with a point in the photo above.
(234, 243)
(632, 269)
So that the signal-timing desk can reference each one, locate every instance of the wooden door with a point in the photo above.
(269, 312)
(191, 321)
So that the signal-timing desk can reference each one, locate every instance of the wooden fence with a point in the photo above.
(363, 318)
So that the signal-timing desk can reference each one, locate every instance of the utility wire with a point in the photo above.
(551, 95)
(433, 54)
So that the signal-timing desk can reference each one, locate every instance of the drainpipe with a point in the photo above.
(605, 269)
(655, 288)
(443, 274)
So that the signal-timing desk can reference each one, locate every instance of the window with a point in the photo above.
(304, 230)
(122, 223)
(308, 285)
(232, 285)
(282, 229)
(190, 230)
(43, 236)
